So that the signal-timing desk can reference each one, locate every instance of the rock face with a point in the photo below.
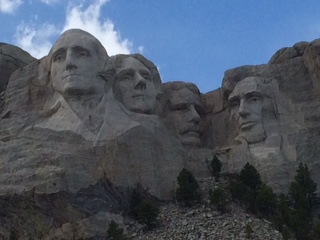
(83, 126)
(273, 113)
(11, 58)
(79, 130)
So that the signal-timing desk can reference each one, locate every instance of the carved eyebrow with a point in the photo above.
(233, 98)
(80, 49)
(125, 71)
(58, 51)
(145, 72)
(253, 94)
(178, 106)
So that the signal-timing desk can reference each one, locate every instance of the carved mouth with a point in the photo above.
(246, 125)
(140, 95)
(191, 131)
(70, 75)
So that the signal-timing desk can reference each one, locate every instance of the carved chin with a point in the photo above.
(254, 136)
(140, 106)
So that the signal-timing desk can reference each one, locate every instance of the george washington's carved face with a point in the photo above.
(134, 87)
(75, 63)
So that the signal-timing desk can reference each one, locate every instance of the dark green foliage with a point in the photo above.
(292, 213)
(302, 190)
(250, 177)
(284, 208)
(188, 190)
(218, 197)
(285, 234)
(115, 232)
(266, 200)
(300, 223)
(237, 188)
(136, 199)
(144, 211)
(248, 188)
(316, 231)
(216, 166)
(13, 234)
(147, 213)
(303, 195)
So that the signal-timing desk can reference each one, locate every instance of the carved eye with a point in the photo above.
(148, 78)
(180, 107)
(126, 78)
(234, 104)
(254, 99)
(83, 54)
(58, 58)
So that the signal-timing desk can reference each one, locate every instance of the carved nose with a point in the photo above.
(194, 115)
(243, 109)
(70, 61)
(140, 82)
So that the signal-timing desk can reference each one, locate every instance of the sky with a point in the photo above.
(189, 40)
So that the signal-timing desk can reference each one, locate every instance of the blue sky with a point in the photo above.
(189, 40)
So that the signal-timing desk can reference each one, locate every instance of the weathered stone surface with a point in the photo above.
(182, 110)
(11, 58)
(80, 129)
(293, 113)
(63, 131)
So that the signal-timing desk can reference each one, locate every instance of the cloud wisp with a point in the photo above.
(89, 20)
(49, 2)
(35, 38)
(9, 6)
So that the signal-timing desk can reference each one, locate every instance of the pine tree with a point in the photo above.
(303, 190)
(188, 190)
(303, 194)
(216, 166)
(218, 197)
(115, 232)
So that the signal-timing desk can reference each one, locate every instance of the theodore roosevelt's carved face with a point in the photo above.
(134, 86)
(76, 59)
(183, 111)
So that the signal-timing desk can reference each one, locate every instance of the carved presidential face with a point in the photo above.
(247, 104)
(75, 63)
(134, 87)
(183, 115)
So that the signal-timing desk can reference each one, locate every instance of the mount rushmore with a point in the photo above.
(84, 127)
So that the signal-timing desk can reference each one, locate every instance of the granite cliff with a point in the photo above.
(79, 129)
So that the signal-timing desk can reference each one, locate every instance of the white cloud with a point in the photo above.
(140, 49)
(50, 2)
(35, 40)
(89, 20)
(9, 6)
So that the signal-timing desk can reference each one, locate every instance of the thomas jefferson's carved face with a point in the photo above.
(247, 104)
(134, 87)
(75, 64)
(183, 115)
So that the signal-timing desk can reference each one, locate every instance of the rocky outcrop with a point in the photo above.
(79, 130)
(288, 109)
(11, 59)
